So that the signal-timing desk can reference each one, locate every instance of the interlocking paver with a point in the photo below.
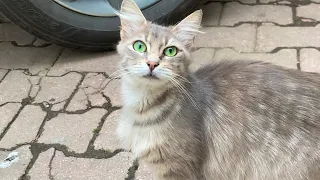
(285, 57)
(309, 11)
(40, 170)
(211, 14)
(83, 169)
(241, 38)
(10, 32)
(14, 87)
(310, 60)
(16, 168)
(25, 128)
(3, 72)
(7, 112)
(72, 130)
(79, 101)
(107, 138)
(34, 59)
(201, 57)
(72, 60)
(56, 90)
(235, 12)
(270, 37)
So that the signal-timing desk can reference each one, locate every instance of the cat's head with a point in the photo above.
(152, 53)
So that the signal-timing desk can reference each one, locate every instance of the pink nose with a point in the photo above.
(152, 65)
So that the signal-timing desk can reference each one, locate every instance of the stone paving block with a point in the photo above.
(145, 173)
(200, 57)
(235, 12)
(270, 37)
(14, 87)
(72, 60)
(7, 112)
(90, 91)
(25, 128)
(285, 57)
(16, 168)
(39, 42)
(33, 59)
(242, 1)
(10, 32)
(310, 60)
(241, 38)
(107, 138)
(40, 170)
(56, 90)
(211, 14)
(112, 90)
(72, 130)
(309, 11)
(70, 168)
(3, 72)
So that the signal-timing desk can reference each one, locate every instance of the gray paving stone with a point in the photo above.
(270, 37)
(145, 173)
(3, 72)
(94, 169)
(310, 60)
(40, 170)
(72, 60)
(107, 138)
(25, 128)
(285, 57)
(235, 12)
(39, 42)
(7, 112)
(211, 14)
(56, 90)
(17, 167)
(33, 59)
(72, 130)
(14, 87)
(241, 38)
(200, 57)
(112, 90)
(10, 32)
(309, 11)
(79, 101)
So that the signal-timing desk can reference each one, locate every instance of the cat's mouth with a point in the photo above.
(150, 76)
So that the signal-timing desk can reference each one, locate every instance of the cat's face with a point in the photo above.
(152, 53)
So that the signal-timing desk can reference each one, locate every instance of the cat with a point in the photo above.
(228, 120)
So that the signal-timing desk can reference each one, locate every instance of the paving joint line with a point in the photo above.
(50, 165)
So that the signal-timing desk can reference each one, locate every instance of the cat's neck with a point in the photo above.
(140, 97)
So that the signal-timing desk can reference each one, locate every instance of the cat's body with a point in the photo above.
(228, 120)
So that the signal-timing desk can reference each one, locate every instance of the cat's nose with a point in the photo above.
(152, 65)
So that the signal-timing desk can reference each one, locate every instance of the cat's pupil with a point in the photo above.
(140, 46)
(170, 50)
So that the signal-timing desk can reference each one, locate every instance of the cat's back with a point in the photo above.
(263, 121)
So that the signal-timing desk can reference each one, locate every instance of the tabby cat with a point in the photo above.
(228, 120)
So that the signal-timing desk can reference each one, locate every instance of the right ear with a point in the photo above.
(131, 19)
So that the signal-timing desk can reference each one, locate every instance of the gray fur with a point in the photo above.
(229, 120)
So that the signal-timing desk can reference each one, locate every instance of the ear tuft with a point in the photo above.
(131, 18)
(188, 28)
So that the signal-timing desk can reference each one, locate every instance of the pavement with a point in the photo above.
(59, 107)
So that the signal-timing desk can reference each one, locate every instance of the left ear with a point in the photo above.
(188, 28)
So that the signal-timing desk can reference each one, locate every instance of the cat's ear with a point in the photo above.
(131, 19)
(188, 28)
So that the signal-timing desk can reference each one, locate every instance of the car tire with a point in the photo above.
(58, 25)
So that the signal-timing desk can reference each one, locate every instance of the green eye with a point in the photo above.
(139, 46)
(170, 51)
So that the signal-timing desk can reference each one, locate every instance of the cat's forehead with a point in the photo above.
(158, 32)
